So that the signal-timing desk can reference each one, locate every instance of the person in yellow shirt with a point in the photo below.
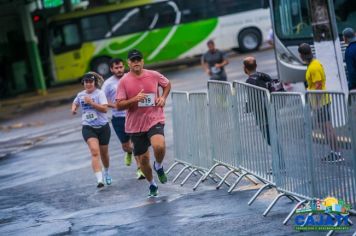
(316, 80)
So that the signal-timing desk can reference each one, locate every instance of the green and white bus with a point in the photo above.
(163, 30)
(292, 26)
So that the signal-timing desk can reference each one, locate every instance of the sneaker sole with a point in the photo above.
(100, 185)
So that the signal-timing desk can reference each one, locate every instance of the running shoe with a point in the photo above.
(140, 174)
(333, 158)
(153, 191)
(108, 179)
(128, 159)
(161, 175)
(100, 185)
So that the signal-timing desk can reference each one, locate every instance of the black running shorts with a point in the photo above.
(141, 141)
(101, 133)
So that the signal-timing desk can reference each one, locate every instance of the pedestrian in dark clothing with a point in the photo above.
(261, 80)
(213, 62)
(350, 57)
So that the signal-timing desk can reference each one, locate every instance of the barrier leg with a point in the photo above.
(173, 165)
(187, 177)
(238, 172)
(273, 203)
(331, 232)
(252, 180)
(212, 176)
(205, 176)
(310, 214)
(180, 172)
(292, 211)
(236, 182)
(225, 177)
(267, 185)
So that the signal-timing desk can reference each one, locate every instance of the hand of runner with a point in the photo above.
(160, 101)
(140, 96)
(88, 100)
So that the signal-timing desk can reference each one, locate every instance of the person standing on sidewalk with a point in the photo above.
(96, 129)
(110, 86)
(213, 62)
(350, 57)
(316, 80)
(139, 93)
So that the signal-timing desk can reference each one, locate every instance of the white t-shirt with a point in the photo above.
(109, 88)
(91, 116)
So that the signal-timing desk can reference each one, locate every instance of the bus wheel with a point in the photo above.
(249, 40)
(101, 66)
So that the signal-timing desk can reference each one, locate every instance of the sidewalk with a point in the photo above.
(30, 102)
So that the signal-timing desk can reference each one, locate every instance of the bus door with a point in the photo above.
(66, 53)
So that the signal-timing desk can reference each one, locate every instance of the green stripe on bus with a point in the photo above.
(196, 32)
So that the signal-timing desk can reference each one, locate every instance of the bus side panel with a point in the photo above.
(160, 44)
(72, 65)
(232, 25)
(187, 39)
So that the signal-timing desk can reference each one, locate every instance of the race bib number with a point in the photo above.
(90, 116)
(149, 101)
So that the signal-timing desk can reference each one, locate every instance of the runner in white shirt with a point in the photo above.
(96, 129)
(110, 86)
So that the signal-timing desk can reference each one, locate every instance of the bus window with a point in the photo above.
(94, 27)
(294, 19)
(345, 11)
(127, 22)
(166, 15)
(225, 7)
(197, 10)
(65, 37)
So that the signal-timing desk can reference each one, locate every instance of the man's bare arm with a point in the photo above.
(126, 104)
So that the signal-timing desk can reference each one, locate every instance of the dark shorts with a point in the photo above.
(322, 114)
(118, 123)
(102, 133)
(141, 141)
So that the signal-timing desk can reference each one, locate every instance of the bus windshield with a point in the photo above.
(292, 19)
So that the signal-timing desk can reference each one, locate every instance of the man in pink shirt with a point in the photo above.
(139, 94)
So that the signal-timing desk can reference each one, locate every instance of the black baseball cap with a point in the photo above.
(134, 53)
(88, 76)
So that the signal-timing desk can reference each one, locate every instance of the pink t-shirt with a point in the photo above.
(141, 119)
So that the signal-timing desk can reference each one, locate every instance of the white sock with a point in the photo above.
(99, 176)
(158, 165)
(152, 182)
(106, 171)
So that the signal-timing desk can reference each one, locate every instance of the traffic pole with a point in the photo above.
(32, 49)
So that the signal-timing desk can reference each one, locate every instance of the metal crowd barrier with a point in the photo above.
(180, 119)
(254, 135)
(291, 157)
(222, 129)
(352, 125)
(305, 146)
(331, 150)
(191, 134)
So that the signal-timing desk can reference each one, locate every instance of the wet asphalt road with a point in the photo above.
(47, 186)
